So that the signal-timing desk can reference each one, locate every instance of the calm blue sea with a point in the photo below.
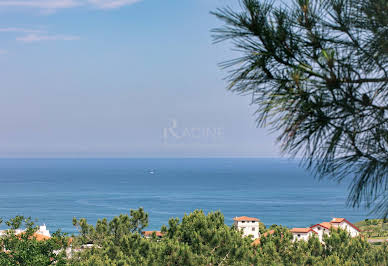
(274, 190)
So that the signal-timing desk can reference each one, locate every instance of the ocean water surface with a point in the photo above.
(277, 191)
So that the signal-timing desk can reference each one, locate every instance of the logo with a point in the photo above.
(188, 134)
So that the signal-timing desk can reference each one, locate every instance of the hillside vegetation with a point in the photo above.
(374, 228)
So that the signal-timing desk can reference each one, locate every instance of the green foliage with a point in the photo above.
(118, 227)
(374, 228)
(209, 238)
(196, 239)
(262, 228)
(24, 249)
(200, 239)
(317, 70)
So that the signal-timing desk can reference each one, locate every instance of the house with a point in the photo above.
(248, 225)
(325, 227)
(41, 234)
(43, 231)
(148, 234)
(322, 229)
(302, 233)
(345, 225)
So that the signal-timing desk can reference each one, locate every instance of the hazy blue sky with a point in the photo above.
(122, 78)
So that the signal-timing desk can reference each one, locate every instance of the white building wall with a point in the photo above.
(249, 228)
(321, 231)
(353, 232)
(302, 236)
(43, 231)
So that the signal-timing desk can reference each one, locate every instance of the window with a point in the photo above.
(243, 221)
(253, 229)
(253, 222)
(319, 228)
(298, 235)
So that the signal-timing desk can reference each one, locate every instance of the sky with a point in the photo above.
(120, 78)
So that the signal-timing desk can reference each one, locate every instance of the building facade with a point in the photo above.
(345, 225)
(248, 225)
(322, 229)
(302, 233)
(43, 231)
(325, 228)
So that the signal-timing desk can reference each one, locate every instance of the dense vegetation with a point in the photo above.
(25, 249)
(196, 239)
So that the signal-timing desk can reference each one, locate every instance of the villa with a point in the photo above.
(248, 225)
(43, 231)
(41, 234)
(346, 225)
(302, 233)
(324, 228)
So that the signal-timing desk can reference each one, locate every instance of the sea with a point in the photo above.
(275, 190)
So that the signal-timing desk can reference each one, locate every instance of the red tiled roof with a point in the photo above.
(256, 242)
(40, 237)
(270, 232)
(340, 220)
(37, 236)
(245, 218)
(149, 233)
(337, 220)
(326, 225)
(302, 230)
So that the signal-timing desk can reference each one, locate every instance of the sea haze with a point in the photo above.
(273, 190)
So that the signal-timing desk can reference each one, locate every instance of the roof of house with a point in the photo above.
(256, 242)
(326, 225)
(337, 220)
(302, 230)
(340, 220)
(270, 232)
(245, 218)
(38, 236)
(149, 233)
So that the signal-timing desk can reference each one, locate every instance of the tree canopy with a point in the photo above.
(317, 72)
(205, 239)
(196, 239)
(25, 249)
